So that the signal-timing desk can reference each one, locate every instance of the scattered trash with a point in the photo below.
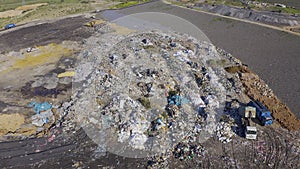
(38, 107)
(184, 151)
(173, 44)
(50, 139)
(43, 118)
(224, 132)
(31, 49)
(66, 74)
(93, 23)
(212, 101)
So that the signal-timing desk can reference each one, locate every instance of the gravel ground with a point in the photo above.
(272, 54)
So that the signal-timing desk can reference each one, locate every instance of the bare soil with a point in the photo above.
(72, 29)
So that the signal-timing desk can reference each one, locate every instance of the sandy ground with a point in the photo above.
(272, 54)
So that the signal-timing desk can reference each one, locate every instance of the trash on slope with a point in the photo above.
(148, 94)
(188, 151)
(224, 132)
(43, 118)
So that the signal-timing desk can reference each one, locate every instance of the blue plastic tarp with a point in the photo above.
(38, 107)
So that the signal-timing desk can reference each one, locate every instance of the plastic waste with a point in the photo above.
(42, 118)
(38, 107)
(212, 101)
(177, 100)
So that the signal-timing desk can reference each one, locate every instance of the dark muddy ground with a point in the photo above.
(42, 34)
(76, 151)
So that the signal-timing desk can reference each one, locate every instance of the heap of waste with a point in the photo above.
(146, 92)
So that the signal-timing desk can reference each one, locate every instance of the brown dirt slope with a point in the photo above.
(256, 88)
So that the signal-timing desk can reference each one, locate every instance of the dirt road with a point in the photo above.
(64, 152)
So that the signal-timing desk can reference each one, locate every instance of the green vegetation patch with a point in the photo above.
(12, 4)
(288, 10)
(52, 10)
(128, 3)
(145, 102)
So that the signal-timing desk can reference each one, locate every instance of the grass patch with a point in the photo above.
(128, 3)
(51, 10)
(288, 10)
(235, 69)
(12, 4)
(234, 3)
(145, 102)
(221, 19)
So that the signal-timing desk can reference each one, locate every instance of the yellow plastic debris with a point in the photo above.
(66, 74)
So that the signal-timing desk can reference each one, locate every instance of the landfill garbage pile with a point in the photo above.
(148, 91)
(164, 97)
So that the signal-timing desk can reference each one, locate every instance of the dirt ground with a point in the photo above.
(42, 34)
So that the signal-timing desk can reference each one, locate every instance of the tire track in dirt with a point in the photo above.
(279, 152)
